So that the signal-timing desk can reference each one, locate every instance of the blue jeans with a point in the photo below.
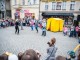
(71, 33)
(32, 27)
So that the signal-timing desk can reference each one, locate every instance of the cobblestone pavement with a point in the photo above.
(30, 39)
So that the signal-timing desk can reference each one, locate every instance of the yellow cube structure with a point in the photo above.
(55, 24)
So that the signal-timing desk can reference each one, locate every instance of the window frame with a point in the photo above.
(58, 5)
(15, 2)
(72, 5)
(46, 6)
(23, 2)
(53, 5)
(64, 5)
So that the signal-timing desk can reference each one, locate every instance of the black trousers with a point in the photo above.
(16, 29)
(36, 29)
(43, 33)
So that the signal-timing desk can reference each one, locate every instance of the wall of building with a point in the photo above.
(76, 8)
(29, 5)
(7, 5)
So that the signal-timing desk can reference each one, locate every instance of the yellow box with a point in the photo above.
(55, 24)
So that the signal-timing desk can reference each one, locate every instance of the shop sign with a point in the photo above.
(26, 11)
(28, 14)
(17, 13)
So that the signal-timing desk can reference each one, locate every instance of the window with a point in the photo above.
(23, 2)
(15, 2)
(58, 6)
(46, 6)
(72, 5)
(34, 1)
(53, 5)
(64, 6)
(29, 2)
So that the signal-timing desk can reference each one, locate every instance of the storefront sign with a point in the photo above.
(28, 14)
(17, 13)
(26, 11)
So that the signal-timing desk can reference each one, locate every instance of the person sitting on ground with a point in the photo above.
(51, 50)
(29, 54)
(60, 58)
(8, 56)
(3, 57)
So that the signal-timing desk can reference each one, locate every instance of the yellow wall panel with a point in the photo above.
(48, 24)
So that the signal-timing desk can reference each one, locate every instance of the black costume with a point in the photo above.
(17, 27)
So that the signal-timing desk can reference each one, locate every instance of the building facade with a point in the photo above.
(24, 8)
(69, 10)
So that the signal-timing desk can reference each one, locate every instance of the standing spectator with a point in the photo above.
(76, 28)
(21, 23)
(24, 24)
(79, 34)
(27, 21)
(71, 31)
(74, 32)
(65, 29)
(0, 24)
(40, 23)
(17, 27)
(36, 25)
(51, 50)
(44, 27)
(32, 24)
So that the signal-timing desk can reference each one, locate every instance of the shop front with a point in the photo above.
(27, 13)
(67, 17)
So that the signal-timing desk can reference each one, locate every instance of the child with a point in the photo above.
(65, 29)
(79, 35)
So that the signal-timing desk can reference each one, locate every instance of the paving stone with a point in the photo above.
(11, 42)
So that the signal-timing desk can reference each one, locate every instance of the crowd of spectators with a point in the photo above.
(72, 31)
(6, 22)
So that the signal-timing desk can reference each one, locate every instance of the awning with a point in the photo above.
(57, 14)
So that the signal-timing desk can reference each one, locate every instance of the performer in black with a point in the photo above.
(17, 27)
